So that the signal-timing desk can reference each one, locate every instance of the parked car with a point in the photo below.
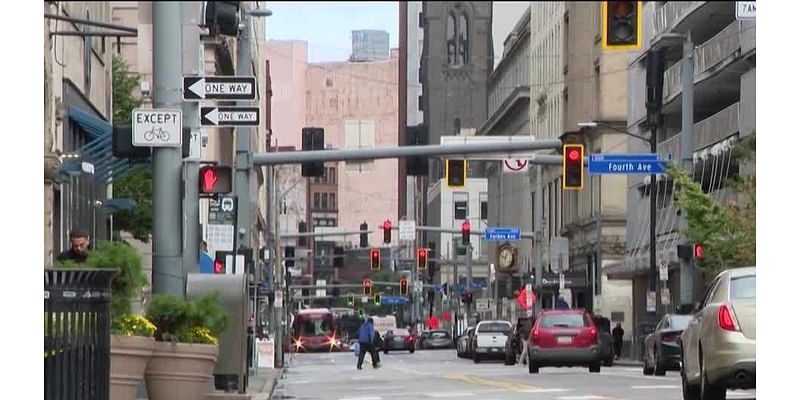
(603, 325)
(438, 339)
(718, 347)
(564, 338)
(662, 352)
(398, 339)
(464, 343)
(490, 339)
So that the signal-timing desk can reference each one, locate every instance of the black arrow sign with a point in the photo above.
(230, 116)
(219, 87)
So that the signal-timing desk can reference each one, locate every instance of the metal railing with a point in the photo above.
(77, 337)
(667, 16)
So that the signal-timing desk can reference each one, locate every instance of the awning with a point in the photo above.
(93, 126)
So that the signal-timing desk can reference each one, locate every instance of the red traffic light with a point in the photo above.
(219, 267)
(375, 259)
(465, 231)
(572, 169)
(574, 155)
(367, 286)
(422, 258)
(404, 286)
(698, 251)
(387, 231)
(622, 8)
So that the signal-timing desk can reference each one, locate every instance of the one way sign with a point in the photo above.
(219, 87)
(230, 116)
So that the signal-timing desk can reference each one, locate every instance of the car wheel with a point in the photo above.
(594, 368)
(646, 368)
(690, 391)
(709, 391)
(658, 367)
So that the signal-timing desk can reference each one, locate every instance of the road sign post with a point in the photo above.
(196, 88)
(502, 234)
(230, 116)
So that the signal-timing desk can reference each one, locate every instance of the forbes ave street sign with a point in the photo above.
(646, 163)
(502, 234)
(219, 87)
(230, 116)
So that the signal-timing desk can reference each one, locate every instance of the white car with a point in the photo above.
(490, 340)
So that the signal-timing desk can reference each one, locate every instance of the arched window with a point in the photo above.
(463, 39)
(451, 39)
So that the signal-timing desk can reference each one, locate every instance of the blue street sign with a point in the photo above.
(627, 164)
(500, 234)
(393, 300)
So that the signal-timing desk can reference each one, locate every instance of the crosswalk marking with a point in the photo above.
(589, 397)
(656, 387)
(361, 398)
(456, 394)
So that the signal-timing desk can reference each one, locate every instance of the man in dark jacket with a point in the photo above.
(79, 247)
(366, 338)
(617, 334)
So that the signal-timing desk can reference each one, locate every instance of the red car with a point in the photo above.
(564, 338)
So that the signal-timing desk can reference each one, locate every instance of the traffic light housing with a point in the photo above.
(338, 257)
(216, 179)
(622, 25)
(219, 266)
(367, 283)
(375, 259)
(222, 17)
(288, 256)
(313, 139)
(572, 167)
(377, 299)
(416, 136)
(364, 236)
(403, 286)
(422, 259)
(465, 232)
(387, 231)
(455, 172)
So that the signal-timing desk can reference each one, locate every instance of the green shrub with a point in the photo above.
(188, 321)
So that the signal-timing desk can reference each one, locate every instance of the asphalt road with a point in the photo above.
(439, 374)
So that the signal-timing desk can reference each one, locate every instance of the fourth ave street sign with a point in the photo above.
(219, 88)
(230, 116)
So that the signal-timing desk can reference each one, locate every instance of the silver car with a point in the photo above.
(718, 347)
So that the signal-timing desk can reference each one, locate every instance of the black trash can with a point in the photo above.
(77, 337)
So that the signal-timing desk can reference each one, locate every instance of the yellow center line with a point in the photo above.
(513, 386)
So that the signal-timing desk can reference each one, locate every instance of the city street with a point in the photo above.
(440, 374)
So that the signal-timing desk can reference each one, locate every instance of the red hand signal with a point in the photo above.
(209, 179)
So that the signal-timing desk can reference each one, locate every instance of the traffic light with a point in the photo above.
(456, 173)
(698, 251)
(377, 299)
(338, 257)
(313, 139)
(465, 229)
(422, 259)
(572, 168)
(367, 283)
(215, 179)
(288, 256)
(364, 236)
(416, 136)
(219, 266)
(403, 286)
(350, 301)
(375, 259)
(387, 231)
(222, 17)
(622, 25)
(302, 227)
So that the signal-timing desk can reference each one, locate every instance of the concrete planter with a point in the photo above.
(180, 371)
(129, 358)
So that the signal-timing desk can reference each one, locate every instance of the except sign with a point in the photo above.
(502, 234)
(647, 163)
(230, 116)
(219, 87)
(157, 128)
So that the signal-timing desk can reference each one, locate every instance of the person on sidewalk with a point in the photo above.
(618, 333)
(366, 338)
(79, 247)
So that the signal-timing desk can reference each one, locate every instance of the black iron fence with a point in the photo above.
(77, 333)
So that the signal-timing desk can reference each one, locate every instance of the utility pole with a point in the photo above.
(168, 274)
(538, 201)
(687, 154)
(469, 280)
(244, 155)
(192, 65)
(655, 87)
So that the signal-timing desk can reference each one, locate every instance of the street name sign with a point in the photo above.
(745, 10)
(500, 234)
(219, 88)
(157, 128)
(646, 163)
(230, 116)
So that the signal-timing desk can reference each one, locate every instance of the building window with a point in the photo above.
(457, 39)
(333, 201)
(331, 178)
(457, 126)
(463, 39)
(421, 20)
(451, 39)
(325, 201)
(484, 210)
(420, 104)
(461, 205)
(317, 201)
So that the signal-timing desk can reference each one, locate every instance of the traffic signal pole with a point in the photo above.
(192, 65)
(168, 275)
(687, 154)
(243, 151)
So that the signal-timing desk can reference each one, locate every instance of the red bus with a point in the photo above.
(314, 330)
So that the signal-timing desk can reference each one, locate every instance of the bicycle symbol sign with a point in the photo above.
(157, 128)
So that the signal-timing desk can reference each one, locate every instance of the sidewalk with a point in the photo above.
(260, 387)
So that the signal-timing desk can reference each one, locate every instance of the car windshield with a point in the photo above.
(680, 321)
(495, 327)
(439, 335)
(315, 326)
(400, 332)
(743, 288)
(563, 321)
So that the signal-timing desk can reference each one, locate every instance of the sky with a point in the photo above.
(326, 25)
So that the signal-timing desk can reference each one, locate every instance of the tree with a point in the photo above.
(727, 231)
(137, 185)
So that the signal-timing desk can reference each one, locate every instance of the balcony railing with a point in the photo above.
(666, 17)
(706, 132)
(706, 56)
